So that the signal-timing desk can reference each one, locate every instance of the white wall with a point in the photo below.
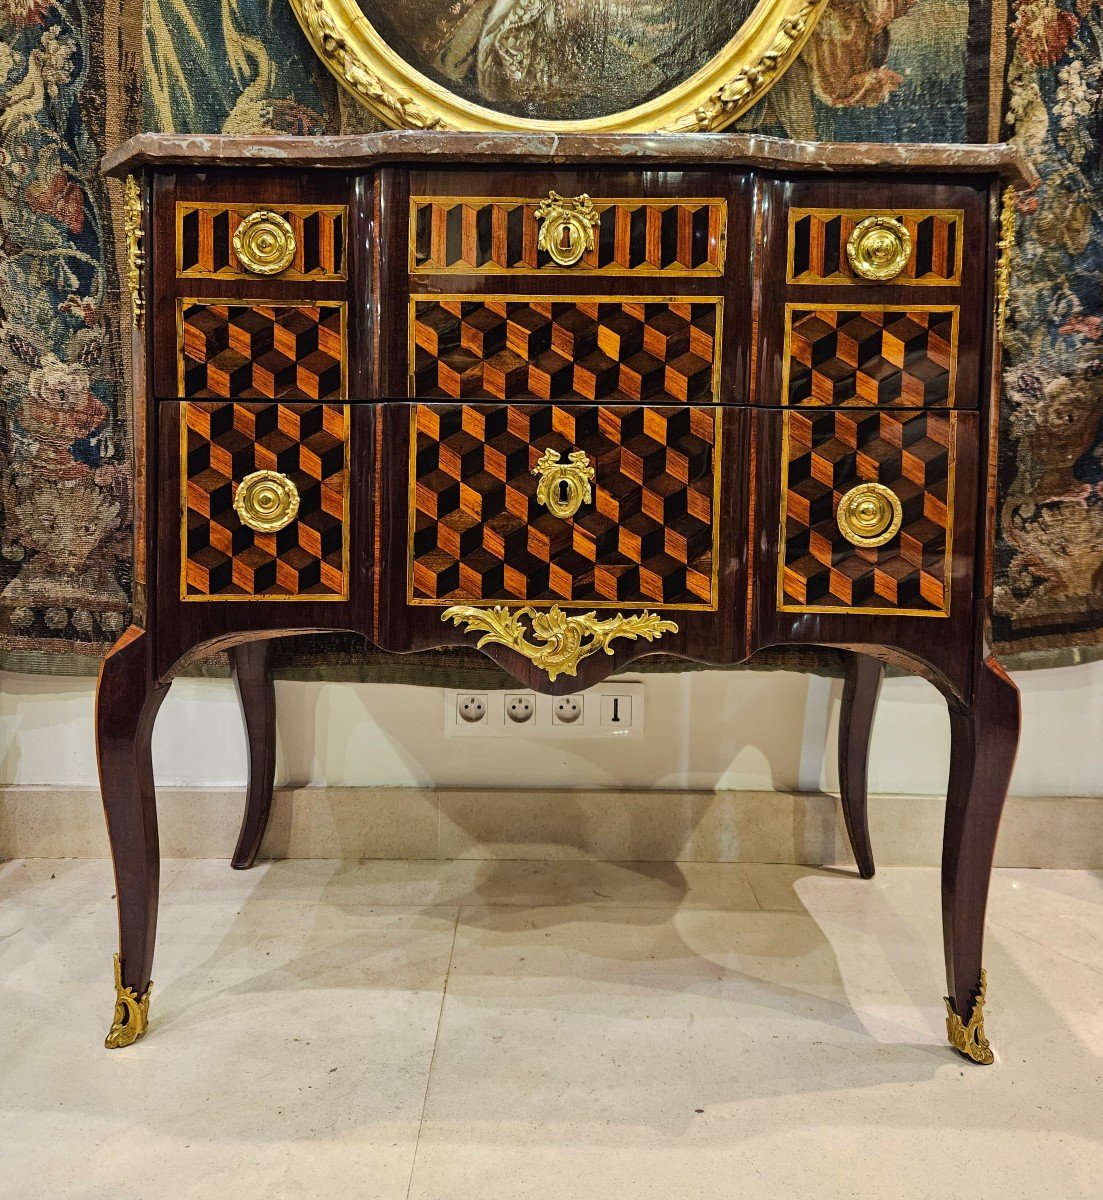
(736, 730)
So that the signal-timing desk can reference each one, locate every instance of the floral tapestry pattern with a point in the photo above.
(1049, 576)
(64, 475)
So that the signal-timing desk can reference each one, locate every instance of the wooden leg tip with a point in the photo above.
(968, 1038)
(131, 1018)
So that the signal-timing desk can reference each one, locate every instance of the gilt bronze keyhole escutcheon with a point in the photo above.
(567, 226)
(564, 486)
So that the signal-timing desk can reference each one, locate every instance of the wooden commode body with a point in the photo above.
(572, 400)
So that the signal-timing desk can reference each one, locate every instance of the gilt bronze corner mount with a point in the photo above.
(131, 1018)
(135, 256)
(968, 1038)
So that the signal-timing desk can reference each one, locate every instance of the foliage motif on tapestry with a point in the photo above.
(64, 480)
(1049, 570)
(233, 68)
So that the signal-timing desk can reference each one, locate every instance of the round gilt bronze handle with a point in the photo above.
(870, 515)
(264, 243)
(879, 248)
(266, 501)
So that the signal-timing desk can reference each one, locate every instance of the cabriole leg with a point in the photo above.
(127, 700)
(861, 687)
(251, 663)
(984, 739)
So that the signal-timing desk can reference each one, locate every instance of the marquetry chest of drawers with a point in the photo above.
(569, 400)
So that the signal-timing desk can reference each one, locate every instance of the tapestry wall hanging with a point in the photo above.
(878, 70)
(67, 89)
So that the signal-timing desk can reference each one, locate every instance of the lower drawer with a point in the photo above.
(552, 532)
(598, 505)
(867, 511)
(264, 500)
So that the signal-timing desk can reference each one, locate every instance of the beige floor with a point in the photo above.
(563, 1031)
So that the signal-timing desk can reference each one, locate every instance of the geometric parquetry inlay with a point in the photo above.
(829, 453)
(479, 533)
(818, 238)
(225, 559)
(849, 354)
(261, 350)
(659, 350)
(484, 235)
(205, 240)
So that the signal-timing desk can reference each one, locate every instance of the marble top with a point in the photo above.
(497, 149)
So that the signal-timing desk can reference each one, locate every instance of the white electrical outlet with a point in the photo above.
(471, 708)
(611, 709)
(520, 707)
(568, 710)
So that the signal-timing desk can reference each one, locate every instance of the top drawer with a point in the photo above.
(494, 235)
(906, 246)
(223, 240)
(876, 234)
(614, 223)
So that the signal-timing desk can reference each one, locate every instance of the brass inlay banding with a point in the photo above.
(870, 515)
(879, 248)
(567, 225)
(564, 486)
(265, 243)
(266, 501)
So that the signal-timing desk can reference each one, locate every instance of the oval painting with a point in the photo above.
(558, 64)
(558, 60)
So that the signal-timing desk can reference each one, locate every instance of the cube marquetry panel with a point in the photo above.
(818, 237)
(258, 350)
(225, 559)
(572, 348)
(826, 454)
(846, 354)
(479, 533)
(480, 235)
(205, 240)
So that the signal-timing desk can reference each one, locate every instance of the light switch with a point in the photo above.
(616, 711)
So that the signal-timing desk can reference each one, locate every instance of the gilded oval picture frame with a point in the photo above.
(558, 66)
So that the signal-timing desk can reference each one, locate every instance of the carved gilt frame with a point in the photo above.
(718, 92)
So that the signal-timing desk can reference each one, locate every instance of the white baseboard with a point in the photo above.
(653, 826)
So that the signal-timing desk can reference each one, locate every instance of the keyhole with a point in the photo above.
(566, 238)
(564, 491)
